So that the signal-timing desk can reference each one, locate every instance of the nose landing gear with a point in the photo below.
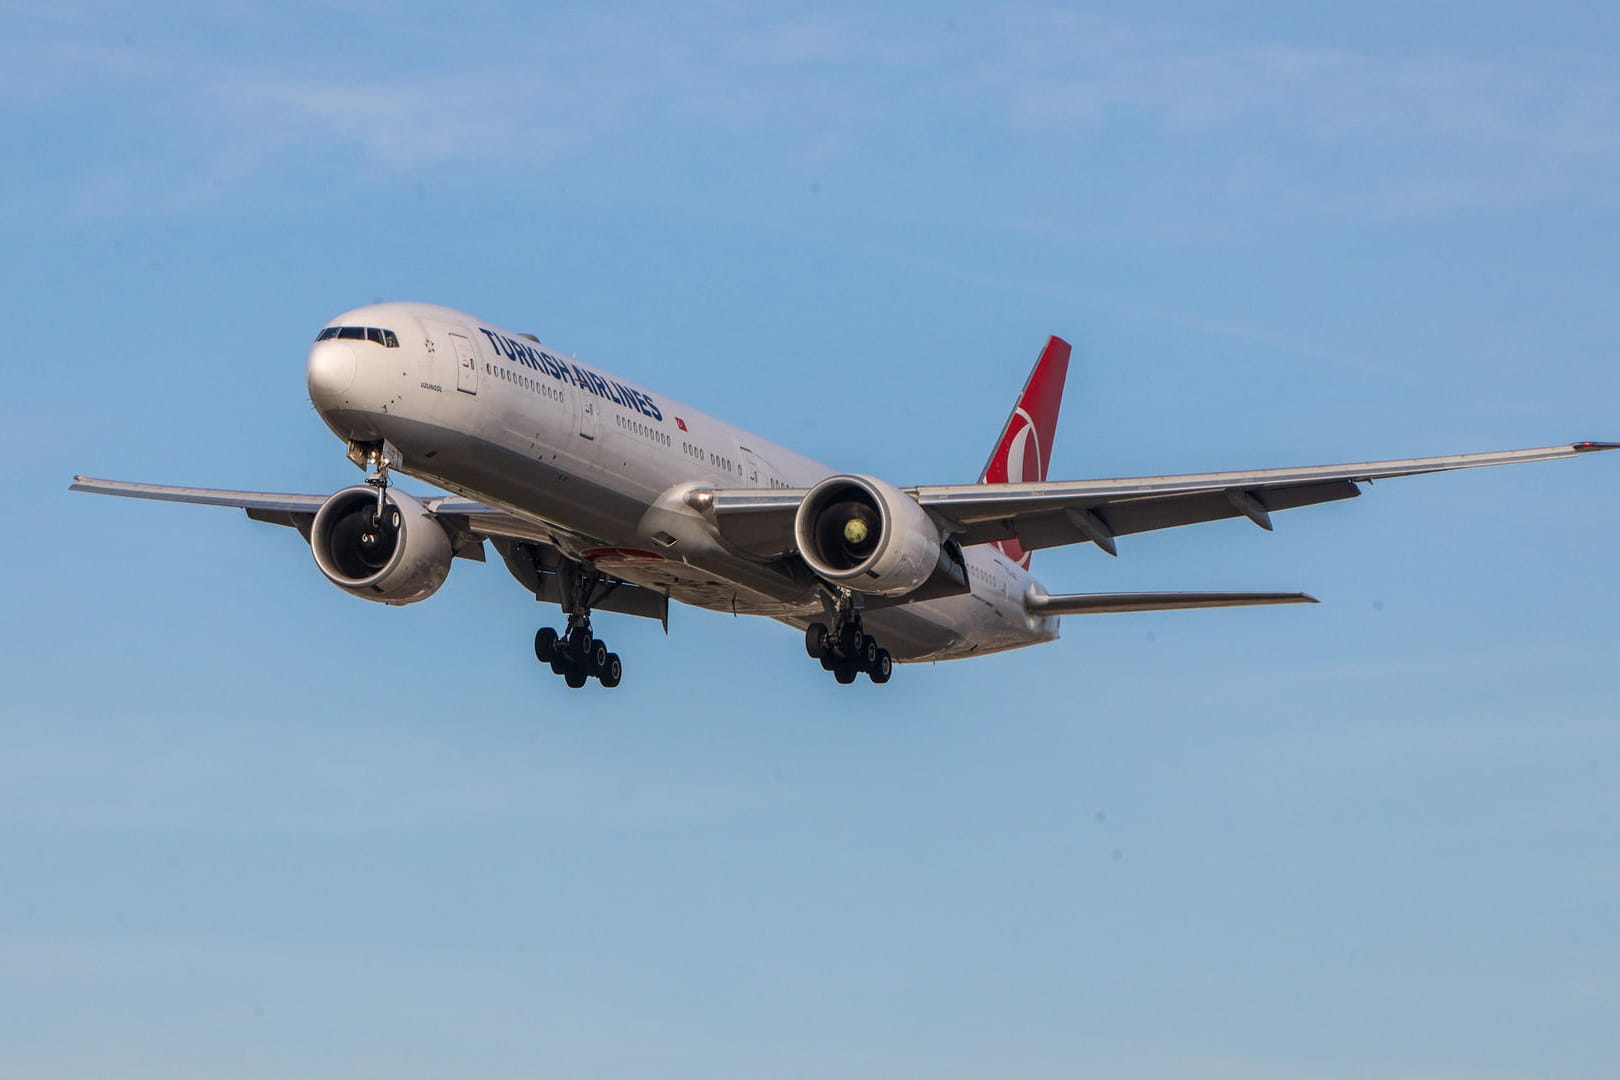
(378, 461)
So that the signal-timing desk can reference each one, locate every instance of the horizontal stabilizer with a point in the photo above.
(1040, 603)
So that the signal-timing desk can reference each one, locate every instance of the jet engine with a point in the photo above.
(398, 558)
(867, 535)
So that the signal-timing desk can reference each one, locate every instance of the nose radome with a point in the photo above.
(331, 373)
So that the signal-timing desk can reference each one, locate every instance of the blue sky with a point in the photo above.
(251, 827)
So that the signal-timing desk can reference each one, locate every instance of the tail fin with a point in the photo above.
(1025, 445)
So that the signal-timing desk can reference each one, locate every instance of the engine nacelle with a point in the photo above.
(401, 559)
(867, 535)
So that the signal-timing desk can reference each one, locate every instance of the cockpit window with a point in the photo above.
(386, 338)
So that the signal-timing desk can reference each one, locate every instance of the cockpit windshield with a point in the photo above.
(386, 338)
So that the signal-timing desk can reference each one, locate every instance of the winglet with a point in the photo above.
(1589, 446)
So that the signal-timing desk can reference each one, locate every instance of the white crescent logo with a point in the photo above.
(1024, 460)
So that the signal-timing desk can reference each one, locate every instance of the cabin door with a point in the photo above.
(587, 413)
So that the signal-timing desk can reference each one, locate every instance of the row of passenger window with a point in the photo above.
(646, 431)
(386, 338)
(697, 453)
(524, 382)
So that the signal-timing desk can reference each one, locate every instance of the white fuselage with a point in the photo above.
(601, 467)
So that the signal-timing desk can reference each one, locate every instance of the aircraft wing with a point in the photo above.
(1051, 514)
(242, 500)
(527, 547)
(469, 522)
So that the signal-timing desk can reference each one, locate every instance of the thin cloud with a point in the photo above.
(1262, 127)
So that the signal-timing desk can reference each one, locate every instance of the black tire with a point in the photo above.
(869, 653)
(545, 644)
(828, 661)
(579, 642)
(612, 671)
(575, 678)
(845, 673)
(815, 640)
(597, 658)
(849, 641)
(559, 664)
(882, 668)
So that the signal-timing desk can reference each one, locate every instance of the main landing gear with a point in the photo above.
(848, 650)
(577, 654)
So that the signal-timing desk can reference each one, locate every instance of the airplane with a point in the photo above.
(604, 496)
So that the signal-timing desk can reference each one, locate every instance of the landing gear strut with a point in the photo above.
(847, 649)
(577, 654)
(378, 463)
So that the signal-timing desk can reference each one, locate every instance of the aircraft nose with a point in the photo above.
(331, 373)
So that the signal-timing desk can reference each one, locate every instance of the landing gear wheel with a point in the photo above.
(869, 653)
(559, 664)
(828, 661)
(611, 671)
(845, 672)
(596, 657)
(574, 677)
(849, 640)
(881, 668)
(815, 640)
(545, 644)
(579, 641)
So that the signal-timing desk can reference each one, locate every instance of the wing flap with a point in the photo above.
(291, 519)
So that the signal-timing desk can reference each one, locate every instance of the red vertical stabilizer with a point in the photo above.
(1025, 445)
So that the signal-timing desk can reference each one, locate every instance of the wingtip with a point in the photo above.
(1589, 446)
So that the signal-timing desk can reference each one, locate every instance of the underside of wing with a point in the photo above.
(466, 522)
(529, 548)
